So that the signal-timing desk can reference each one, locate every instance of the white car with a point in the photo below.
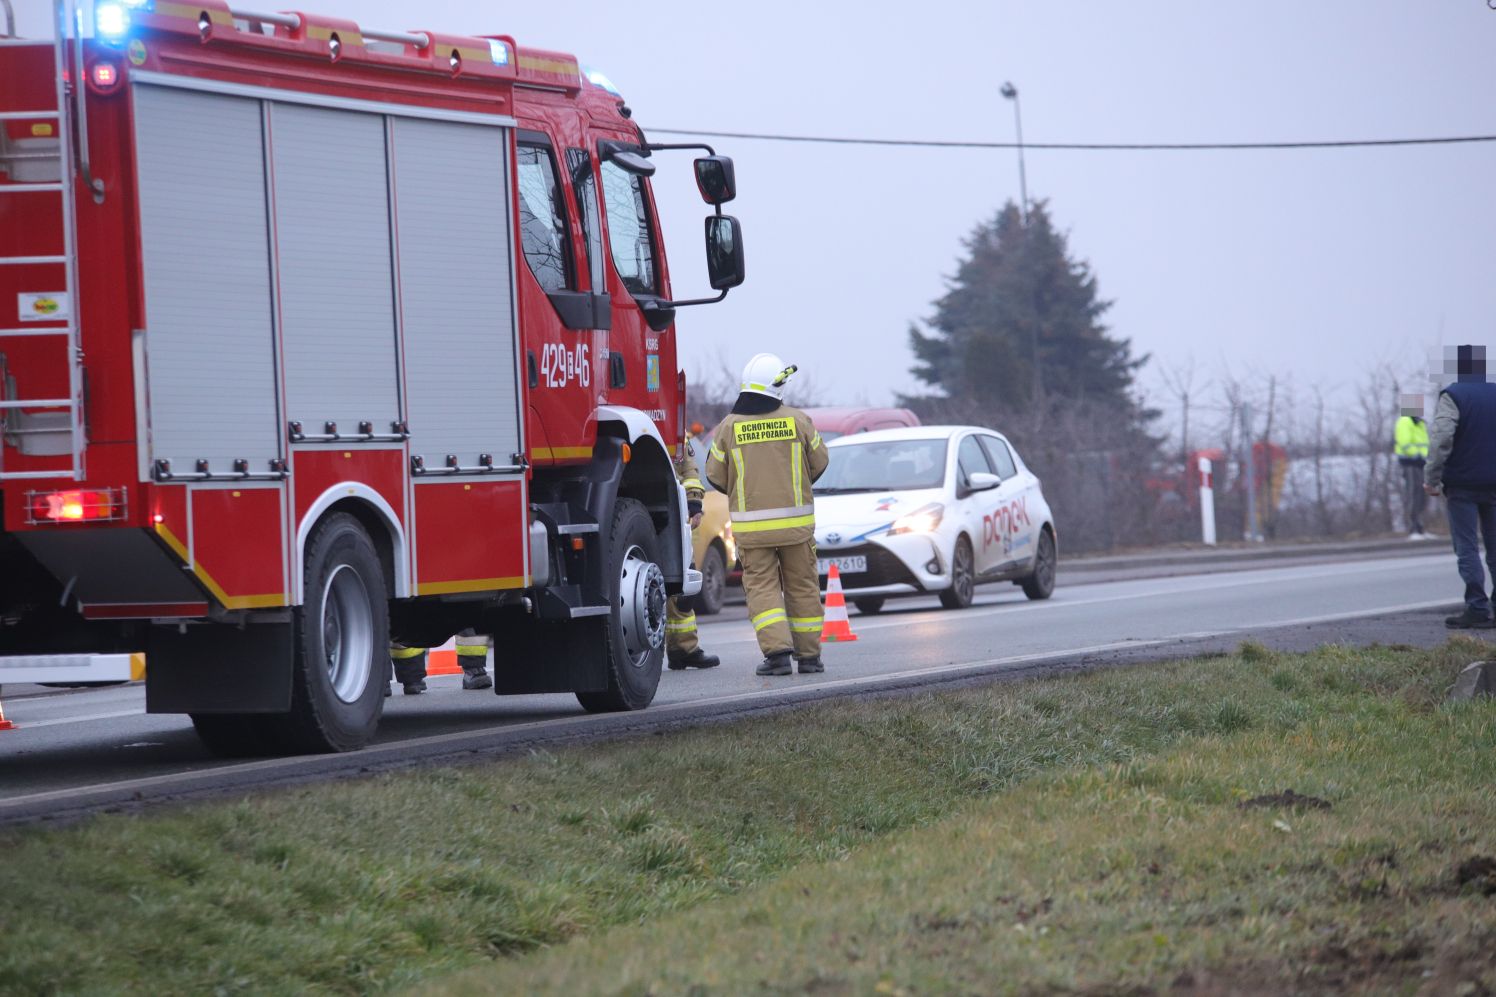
(932, 509)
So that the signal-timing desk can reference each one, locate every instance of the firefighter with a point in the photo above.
(682, 649)
(765, 455)
(472, 654)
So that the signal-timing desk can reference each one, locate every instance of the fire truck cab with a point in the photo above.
(314, 337)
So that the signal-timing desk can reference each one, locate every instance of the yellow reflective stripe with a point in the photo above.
(807, 619)
(806, 628)
(780, 513)
(680, 628)
(717, 452)
(737, 459)
(815, 441)
(481, 651)
(773, 524)
(763, 620)
(401, 653)
(753, 386)
(796, 460)
(690, 483)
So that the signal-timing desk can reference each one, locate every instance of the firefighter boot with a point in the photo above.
(476, 678)
(777, 663)
(808, 666)
(472, 654)
(696, 659)
(410, 668)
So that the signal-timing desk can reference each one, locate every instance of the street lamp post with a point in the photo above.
(1036, 391)
(1011, 92)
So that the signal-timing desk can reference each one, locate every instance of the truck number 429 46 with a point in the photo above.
(560, 365)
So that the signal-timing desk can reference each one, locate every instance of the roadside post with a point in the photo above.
(1207, 503)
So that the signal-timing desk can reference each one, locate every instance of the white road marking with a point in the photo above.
(985, 610)
(33, 724)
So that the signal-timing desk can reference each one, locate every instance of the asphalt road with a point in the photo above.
(75, 752)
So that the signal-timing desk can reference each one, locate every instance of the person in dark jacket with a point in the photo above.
(1462, 467)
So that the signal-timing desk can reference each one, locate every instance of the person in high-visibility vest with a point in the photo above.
(764, 456)
(472, 654)
(1410, 444)
(682, 645)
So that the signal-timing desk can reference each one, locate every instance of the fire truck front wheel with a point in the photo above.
(342, 644)
(636, 627)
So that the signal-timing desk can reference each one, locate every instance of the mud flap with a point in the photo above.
(563, 656)
(219, 669)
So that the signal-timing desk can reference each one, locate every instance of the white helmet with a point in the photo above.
(765, 374)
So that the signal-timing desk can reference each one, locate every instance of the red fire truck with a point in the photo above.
(314, 336)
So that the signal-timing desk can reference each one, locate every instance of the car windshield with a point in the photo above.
(884, 466)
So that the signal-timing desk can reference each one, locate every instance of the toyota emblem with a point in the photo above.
(833, 538)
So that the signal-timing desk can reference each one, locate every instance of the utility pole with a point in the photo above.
(1250, 533)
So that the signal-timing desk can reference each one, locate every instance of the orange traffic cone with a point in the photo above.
(443, 660)
(4, 723)
(836, 626)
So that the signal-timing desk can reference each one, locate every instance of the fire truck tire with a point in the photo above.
(341, 644)
(636, 627)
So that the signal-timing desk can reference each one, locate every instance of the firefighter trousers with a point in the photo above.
(784, 598)
(472, 655)
(680, 630)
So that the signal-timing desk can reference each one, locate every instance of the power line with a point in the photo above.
(1085, 146)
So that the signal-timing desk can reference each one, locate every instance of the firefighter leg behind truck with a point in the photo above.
(472, 654)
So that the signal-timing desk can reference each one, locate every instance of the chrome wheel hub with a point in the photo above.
(347, 633)
(641, 597)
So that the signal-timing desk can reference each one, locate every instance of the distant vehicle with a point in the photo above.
(714, 552)
(932, 509)
(838, 422)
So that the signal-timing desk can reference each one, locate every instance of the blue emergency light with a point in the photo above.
(601, 81)
(112, 19)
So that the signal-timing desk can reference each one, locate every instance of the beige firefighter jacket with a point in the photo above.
(689, 476)
(765, 464)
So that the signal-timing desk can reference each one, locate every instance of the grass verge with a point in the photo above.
(1063, 834)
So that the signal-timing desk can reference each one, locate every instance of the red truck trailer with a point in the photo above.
(313, 337)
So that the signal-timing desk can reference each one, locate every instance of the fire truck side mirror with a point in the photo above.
(724, 251)
(625, 158)
(716, 179)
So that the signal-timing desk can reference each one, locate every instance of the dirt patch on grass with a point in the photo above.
(1288, 799)
(1477, 874)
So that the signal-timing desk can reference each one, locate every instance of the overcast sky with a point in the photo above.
(1310, 263)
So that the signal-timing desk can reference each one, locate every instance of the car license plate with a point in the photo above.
(843, 564)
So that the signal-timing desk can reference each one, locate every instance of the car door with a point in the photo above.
(1013, 523)
(975, 506)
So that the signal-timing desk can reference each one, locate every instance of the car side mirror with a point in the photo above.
(715, 179)
(982, 481)
(724, 251)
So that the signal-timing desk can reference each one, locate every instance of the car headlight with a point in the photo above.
(925, 519)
